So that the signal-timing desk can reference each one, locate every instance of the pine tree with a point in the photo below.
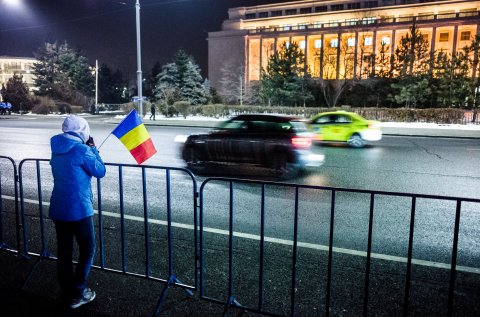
(283, 81)
(110, 85)
(412, 63)
(63, 73)
(16, 92)
(191, 88)
(46, 68)
(180, 81)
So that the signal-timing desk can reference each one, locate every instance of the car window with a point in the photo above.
(325, 120)
(234, 125)
(343, 119)
(299, 126)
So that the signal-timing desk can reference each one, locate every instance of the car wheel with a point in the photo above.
(282, 167)
(356, 141)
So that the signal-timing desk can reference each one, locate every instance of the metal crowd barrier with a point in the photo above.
(199, 278)
(172, 279)
(14, 179)
(232, 301)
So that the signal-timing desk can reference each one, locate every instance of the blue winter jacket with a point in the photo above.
(73, 165)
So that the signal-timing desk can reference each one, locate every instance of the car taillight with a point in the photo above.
(302, 142)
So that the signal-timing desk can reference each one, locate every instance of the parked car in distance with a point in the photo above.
(279, 143)
(343, 126)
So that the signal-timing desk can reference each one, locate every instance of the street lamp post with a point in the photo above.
(139, 61)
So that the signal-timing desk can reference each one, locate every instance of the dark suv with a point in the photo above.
(279, 143)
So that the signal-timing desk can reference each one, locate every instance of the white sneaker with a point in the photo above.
(88, 296)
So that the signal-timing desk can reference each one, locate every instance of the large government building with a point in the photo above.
(17, 65)
(340, 38)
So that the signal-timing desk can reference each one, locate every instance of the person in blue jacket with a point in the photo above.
(75, 160)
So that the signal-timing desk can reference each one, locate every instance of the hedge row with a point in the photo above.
(432, 115)
(435, 115)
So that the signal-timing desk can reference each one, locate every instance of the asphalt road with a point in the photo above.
(435, 166)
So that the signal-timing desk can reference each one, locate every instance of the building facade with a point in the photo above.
(17, 65)
(339, 38)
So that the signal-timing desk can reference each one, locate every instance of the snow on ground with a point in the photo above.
(412, 125)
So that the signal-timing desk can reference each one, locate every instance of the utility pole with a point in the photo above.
(96, 85)
(139, 62)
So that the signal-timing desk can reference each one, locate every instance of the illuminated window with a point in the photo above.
(263, 15)
(386, 40)
(465, 36)
(425, 37)
(336, 7)
(317, 25)
(321, 9)
(287, 27)
(302, 45)
(333, 23)
(334, 43)
(250, 16)
(369, 20)
(318, 44)
(368, 41)
(302, 26)
(290, 11)
(287, 44)
(351, 22)
(444, 37)
(305, 10)
(276, 13)
(351, 41)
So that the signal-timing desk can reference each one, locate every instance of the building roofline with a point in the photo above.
(17, 57)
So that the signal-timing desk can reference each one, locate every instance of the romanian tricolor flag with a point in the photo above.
(133, 134)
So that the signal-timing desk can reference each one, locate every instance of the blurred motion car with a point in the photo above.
(343, 126)
(280, 143)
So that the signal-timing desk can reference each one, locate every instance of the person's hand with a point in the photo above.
(90, 142)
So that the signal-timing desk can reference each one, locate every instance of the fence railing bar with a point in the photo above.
(122, 218)
(369, 256)
(1, 213)
(246, 309)
(231, 298)
(330, 255)
(17, 216)
(262, 249)
(17, 220)
(294, 264)
(40, 207)
(201, 242)
(342, 189)
(22, 210)
(100, 223)
(453, 268)
(409, 257)
(169, 225)
(146, 227)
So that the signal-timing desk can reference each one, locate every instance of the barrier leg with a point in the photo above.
(231, 302)
(37, 262)
(171, 281)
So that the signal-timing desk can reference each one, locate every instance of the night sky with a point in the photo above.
(105, 29)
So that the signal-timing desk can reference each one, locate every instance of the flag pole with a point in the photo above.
(98, 148)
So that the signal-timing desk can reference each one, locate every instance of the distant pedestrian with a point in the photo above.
(152, 112)
(75, 160)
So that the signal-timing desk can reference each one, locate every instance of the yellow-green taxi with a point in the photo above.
(343, 126)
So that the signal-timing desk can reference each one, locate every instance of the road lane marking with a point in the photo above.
(306, 245)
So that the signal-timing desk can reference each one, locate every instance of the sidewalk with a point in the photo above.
(388, 128)
(117, 295)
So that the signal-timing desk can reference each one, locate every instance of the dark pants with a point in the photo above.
(72, 284)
